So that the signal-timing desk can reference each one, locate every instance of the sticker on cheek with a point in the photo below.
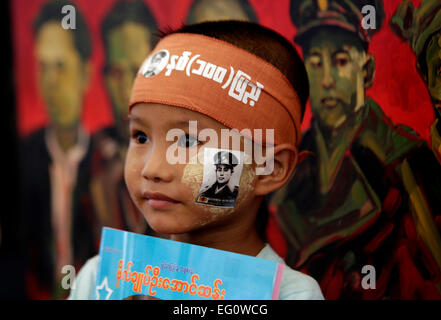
(221, 178)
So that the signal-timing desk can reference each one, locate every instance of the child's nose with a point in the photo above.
(156, 168)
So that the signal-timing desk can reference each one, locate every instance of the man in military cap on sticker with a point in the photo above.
(221, 193)
(345, 205)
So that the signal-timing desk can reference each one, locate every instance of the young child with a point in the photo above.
(223, 75)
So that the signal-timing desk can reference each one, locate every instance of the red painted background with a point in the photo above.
(397, 88)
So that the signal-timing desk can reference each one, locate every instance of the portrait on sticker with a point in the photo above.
(222, 172)
(154, 64)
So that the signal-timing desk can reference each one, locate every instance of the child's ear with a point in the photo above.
(285, 161)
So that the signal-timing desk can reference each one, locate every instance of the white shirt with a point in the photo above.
(294, 286)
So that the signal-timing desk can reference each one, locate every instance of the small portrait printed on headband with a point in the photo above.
(154, 64)
(222, 172)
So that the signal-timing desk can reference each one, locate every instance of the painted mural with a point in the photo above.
(356, 201)
(368, 195)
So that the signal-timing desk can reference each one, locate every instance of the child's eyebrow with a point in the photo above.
(173, 124)
(178, 123)
(183, 123)
(135, 119)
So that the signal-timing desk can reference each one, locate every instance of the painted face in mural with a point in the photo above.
(337, 68)
(62, 75)
(433, 60)
(128, 45)
(208, 10)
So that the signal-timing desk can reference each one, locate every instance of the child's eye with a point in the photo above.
(187, 141)
(140, 137)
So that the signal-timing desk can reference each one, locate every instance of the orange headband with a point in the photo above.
(222, 81)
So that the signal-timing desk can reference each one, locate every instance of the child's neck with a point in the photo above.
(235, 235)
(249, 245)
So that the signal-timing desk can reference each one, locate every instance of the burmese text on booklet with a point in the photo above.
(132, 264)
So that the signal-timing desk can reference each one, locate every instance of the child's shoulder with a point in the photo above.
(84, 284)
(295, 284)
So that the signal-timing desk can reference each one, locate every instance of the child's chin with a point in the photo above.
(176, 227)
(169, 227)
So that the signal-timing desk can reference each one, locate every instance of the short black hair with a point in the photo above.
(128, 11)
(244, 4)
(260, 41)
(51, 11)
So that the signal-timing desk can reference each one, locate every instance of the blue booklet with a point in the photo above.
(135, 266)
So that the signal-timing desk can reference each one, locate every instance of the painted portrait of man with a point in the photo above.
(213, 10)
(335, 212)
(56, 158)
(127, 31)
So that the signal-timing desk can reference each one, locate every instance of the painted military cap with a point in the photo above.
(417, 25)
(308, 15)
(225, 157)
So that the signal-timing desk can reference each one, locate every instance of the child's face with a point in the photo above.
(166, 193)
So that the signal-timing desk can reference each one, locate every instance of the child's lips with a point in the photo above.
(160, 204)
(158, 200)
